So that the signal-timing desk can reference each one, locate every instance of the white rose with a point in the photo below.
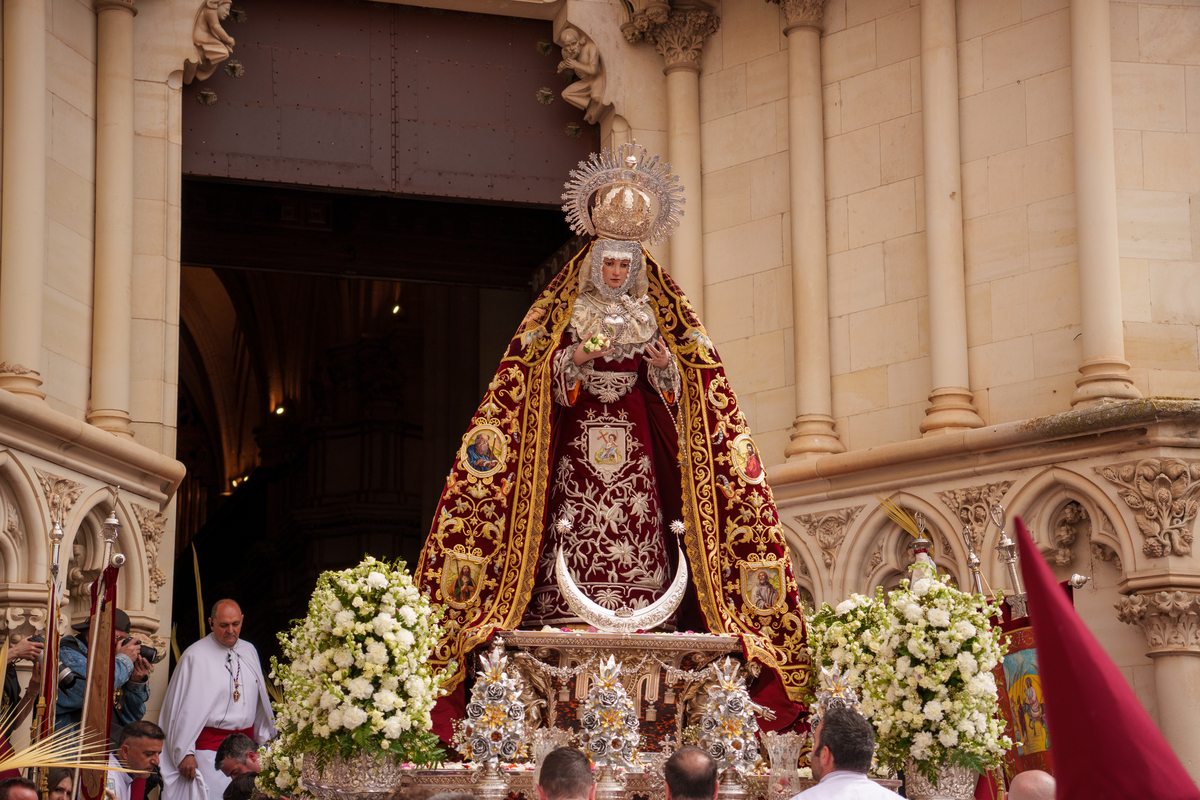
(385, 700)
(352, 717)
(357, 602)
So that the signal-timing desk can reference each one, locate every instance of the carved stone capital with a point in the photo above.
(829, 530)
(680, 38)
(971, 506)
(153, 524)
(116, 5)
(803, 14)
(1170, 619)
(61, 494)
(1163, 494)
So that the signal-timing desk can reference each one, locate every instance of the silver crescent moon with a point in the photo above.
(625, 620)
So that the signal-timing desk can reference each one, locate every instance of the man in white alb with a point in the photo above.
(217, 689)
(843, 744)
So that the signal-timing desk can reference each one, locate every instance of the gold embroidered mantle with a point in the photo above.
(482, 554)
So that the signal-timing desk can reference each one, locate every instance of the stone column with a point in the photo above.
(812, 433)
(1104, 371)
(23, 216)
(113, 300)
(680, 39)
(1171, 621)
(953, 405)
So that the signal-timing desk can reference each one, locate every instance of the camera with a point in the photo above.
(66, 678)
(148, 653)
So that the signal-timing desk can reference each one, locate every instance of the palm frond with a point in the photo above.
(901, 517)
(199, 594)
(63, 748)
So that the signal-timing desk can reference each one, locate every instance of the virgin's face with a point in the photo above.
(616, 270)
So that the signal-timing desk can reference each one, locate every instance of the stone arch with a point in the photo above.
(85, 527)
(1038, 501)
(24, 556)
(804, 566)
(876, 554)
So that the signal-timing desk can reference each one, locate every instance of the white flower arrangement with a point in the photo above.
(356, 676)
(923, 657)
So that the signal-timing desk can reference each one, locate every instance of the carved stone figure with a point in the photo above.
(213, 44)
(582, 56)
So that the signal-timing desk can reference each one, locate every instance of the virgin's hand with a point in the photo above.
(581, 355)
(657, 354)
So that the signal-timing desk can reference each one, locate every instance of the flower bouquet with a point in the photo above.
(929, 689)
(597, 343)
(357, 686)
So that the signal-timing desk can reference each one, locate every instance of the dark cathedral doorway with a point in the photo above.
(370, 199)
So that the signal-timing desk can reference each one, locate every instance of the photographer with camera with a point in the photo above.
(29, 649)
(131, 667)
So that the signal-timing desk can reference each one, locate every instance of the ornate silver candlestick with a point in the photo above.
(1006, 551)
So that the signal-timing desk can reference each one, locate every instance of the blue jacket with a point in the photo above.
(129, 696)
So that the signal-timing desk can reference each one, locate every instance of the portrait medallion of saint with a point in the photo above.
(483, 450)
(606, 447)
(762, 586)
(461, 578)
(746, 460)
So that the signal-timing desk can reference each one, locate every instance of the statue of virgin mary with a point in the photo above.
(612, 434)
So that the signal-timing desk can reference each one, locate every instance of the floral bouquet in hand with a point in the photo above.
(597, 343)
(356, 677)
(930, 691)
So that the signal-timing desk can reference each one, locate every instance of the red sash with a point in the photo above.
(211, 738)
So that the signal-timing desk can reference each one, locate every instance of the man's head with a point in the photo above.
(237, 755)
(691, 774)
(843, 740)
(241, 787)
(18, 789)
(121, 623)
(1031, 785)
(226, 622)
(140, 745)
(566, 775)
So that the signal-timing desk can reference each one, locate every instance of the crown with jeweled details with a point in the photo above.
(624, 194)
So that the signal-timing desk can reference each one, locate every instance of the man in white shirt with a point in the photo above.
(843, 744)
(140, 746)
(217, 689)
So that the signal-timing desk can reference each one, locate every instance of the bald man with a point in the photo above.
(217, 689)
(1032, 785)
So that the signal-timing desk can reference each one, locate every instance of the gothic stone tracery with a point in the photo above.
(971, 506)
(1162, 494)
(829, 530)
(61, 494)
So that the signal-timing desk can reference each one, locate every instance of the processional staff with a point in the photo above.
(47, 671)
(97, 696)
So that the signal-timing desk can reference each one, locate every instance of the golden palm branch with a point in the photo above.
(901, 517)
(67, 747)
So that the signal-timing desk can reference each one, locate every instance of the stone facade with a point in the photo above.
(1044, 292)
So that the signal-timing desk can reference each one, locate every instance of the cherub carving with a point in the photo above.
(582, 56)
(213, 44)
